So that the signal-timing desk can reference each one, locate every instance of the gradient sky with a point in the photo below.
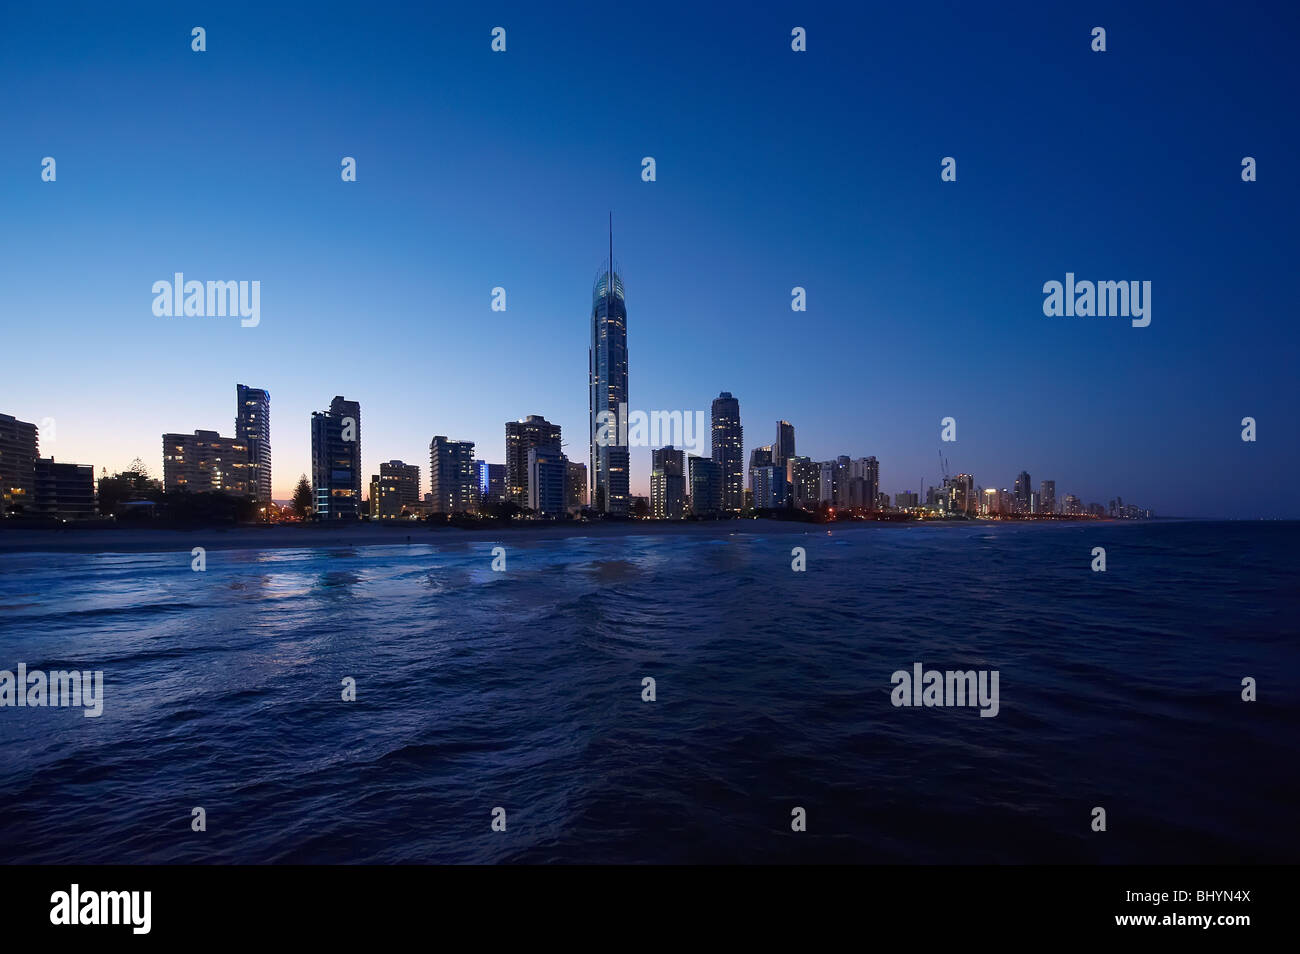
(775, 169)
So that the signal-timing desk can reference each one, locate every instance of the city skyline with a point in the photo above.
(924, 297)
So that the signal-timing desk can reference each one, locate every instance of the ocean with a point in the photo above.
(522, 690)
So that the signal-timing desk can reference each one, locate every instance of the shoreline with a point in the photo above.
(289, 537)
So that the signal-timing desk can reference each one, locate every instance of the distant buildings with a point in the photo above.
(205, 462)
(521, 437)
(729, 451)
(18, 452)
(253, 429)
(667, 484)
(452, 475)
(395, 491)
(64, 491)
(783, 447)
(759, 457)
(705, 486)
(575, 487)
(964, 499)
(769, 486)
(490, 482)
(906, 499)
(803, 474)
(547, 472)
(608, 397)
(862, 488)
(336, 460)
(1047, 496)
(1023, 503)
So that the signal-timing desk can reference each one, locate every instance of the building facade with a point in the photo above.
(490, 482)
(667, 484)
(453, 478)
(547, 471)
(336, 460)
(705, 486)
(783, 446)
(769, 487)
(575, 487)
(64, 491)
(19, 448)
(521, 437)
(205, 462)
(803, 474)
(608, 396)
(253, 427)
(729, 450)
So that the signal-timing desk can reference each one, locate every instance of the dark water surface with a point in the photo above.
(522, 689)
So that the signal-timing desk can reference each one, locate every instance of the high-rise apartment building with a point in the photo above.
(803, 474)
(783, 446)
(548, 469)
(1047, 496)
(667, 484)
(729, 450)
(575, 487)
(253, 428)
(490, 480)
(452, 475)
(705, 486)
(336, 460)
(205, 462)
(19, 444)
(769, 487)
(521, 437)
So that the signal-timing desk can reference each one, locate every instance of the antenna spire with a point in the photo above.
(609, 286)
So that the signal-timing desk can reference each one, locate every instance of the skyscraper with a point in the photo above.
(1047, 496)
(783, 447)
(548, 470)
(18, 451)
(759, 457)
(729, 450)
(667, 484)
(521, 436)
(804, 477)
(769, 487)
(1022, 491)
(490, 481)
(705, 486)
(336, 460)
(575, 487)
(451, 475)
(253, 428)
(607, 373)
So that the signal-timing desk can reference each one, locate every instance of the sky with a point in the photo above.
(774, 169)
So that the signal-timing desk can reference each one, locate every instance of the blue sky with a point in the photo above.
(820, 169)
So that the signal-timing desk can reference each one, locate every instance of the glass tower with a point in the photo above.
(607, 370)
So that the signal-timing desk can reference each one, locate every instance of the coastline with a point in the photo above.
(279, 537)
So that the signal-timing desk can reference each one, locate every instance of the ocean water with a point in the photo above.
(523, 690)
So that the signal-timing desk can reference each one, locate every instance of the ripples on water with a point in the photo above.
(477, 689)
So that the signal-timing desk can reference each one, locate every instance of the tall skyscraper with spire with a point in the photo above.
(607, 371)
